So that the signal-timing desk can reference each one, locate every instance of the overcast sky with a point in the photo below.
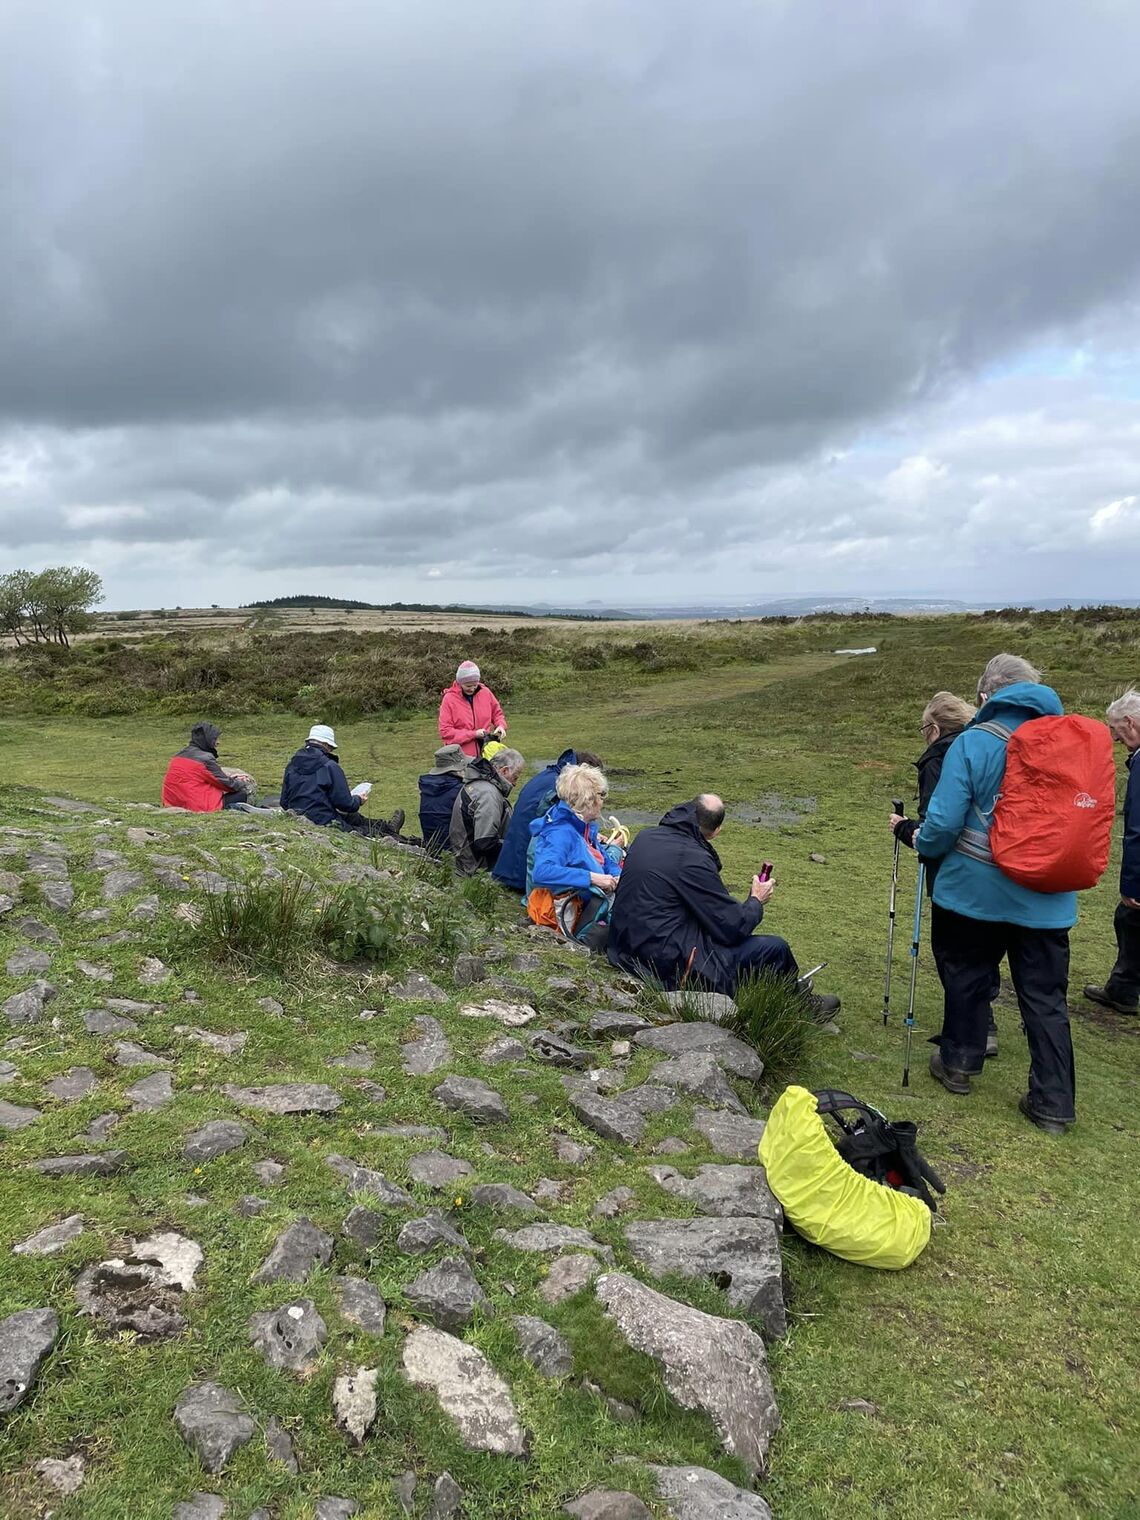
(622, 299)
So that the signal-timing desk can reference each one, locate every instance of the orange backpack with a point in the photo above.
(1052, 824)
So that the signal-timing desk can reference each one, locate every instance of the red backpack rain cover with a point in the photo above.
(1053, 821)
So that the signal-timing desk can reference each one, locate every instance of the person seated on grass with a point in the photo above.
(482, 811)
(536, 797)
(469, 713)
(1121, 991)
(575, 871)
(439, 788)
(675, 921)
(315, 786)
(194, 779)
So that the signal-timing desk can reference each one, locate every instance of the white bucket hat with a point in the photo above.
(321, 733)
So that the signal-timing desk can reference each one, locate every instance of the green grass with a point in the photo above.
(1002, 1364)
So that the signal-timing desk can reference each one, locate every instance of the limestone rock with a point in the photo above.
(24, 961)
(291, 1337)
(506, 1048)
(500, 1195)
(404, 1491)
(359, 1058)
(99, 1021)
(280, 1449)
(51, 1238)
(374, 1185)
(268, 1173)
(446, 1497)
(335, 1509)
(544, 1348)
(567, 1276)
(214, 1139)
(695, 1493)
(59, 895)
(611, 1118)
(469, 1096)
(552, 1050)
(212, 1422)
(435, 1169)
(467, 970)
(742, 1253)
(27, 1007)
(26, 1341)
(513, 1015)
(468, 1388)
(427, 1053)
(411, 1132)
(714, 1007)
(177, 1257)
(421, 1235)
(363, 1225)
(729, 1134)
(100, 1127)
(118, 884)
(224, 1044)
(549, 1190)
(707, 1363)
(354, 1402)
(200, 1506)
(726, 1192)
(96, 973)
(543, 1238)
(729, 1052)
(361, 1304)
(16, 1116)
(607, 1504)
(614, 1203)
(151, 1092)
(447, 1294)
(700, 1076)
(417, 988)
(127, 1053)
(64, 1474)
(105, 1164)
(35, 929)
(571, 1152)
(296, 1252)
(287, 1098)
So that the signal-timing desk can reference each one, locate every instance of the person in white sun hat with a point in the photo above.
(315, 786)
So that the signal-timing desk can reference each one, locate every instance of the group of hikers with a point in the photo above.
(658, 907)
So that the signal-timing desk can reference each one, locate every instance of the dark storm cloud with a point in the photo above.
(419, 270)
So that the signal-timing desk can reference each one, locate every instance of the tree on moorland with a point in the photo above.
(50, 606)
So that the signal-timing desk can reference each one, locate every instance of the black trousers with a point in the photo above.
(969, 951)
(1123, 984)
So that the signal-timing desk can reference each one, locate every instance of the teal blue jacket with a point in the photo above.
(965, 797)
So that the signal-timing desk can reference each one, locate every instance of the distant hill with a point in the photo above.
(346, 604)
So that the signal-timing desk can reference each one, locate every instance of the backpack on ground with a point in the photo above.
(1052, 822)
(883, 1149)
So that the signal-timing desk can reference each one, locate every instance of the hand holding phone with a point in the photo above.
(765, 872)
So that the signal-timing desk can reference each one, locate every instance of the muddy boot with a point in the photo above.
(991, 1039)
(957, 1082)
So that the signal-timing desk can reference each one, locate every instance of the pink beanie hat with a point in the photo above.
(468, 671)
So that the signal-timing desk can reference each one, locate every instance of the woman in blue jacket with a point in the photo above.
(575, 872)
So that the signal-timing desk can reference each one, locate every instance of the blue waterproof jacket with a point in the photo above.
(965, 797)
(562, 859)
(438, 791)
(510, 868)
(1130, 860)
(315, 786)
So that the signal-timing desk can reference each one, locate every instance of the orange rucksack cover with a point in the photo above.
(1053, 820)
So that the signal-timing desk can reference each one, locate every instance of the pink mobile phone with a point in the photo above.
(766, 870)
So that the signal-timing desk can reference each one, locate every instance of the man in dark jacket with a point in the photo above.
(438, 790)
(194, 779)
(315, 787)
(535, 798)
(1121, 992)
(675, 920)
(482, 811)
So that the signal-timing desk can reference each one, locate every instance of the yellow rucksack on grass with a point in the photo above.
(828, 1201)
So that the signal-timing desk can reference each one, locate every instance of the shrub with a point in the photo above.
(359, 924)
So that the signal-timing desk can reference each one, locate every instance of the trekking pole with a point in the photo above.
(897, 806)
(913, 969)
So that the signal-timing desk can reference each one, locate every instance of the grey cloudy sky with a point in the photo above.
(627, 299)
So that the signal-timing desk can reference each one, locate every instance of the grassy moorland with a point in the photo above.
(998, 1373)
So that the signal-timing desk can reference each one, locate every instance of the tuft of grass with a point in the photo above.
(774, 1016)
(483, 895)
(260, 923)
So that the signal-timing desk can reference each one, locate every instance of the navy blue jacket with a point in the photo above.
(673, 917)
(315, 787)
(510, 868)
(1130, 860)
(438, 791)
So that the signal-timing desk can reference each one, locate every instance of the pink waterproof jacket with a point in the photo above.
(460, 715)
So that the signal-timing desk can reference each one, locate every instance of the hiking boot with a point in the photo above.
(1048, 1122)
(396, 822)
(1101, 995)
(822, 1006)
(953, 1081)
(991, 1042)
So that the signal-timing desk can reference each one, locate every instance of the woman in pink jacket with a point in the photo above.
(470, 714)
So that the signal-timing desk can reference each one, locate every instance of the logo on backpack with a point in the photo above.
(1083, 800)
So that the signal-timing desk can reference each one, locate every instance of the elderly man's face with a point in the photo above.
(1126, 731)
(511, 776)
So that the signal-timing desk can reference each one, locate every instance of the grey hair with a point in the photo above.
(1127, 705)
(507, 760)
(1006, 670)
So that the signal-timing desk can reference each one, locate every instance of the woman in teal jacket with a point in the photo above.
(980, 914)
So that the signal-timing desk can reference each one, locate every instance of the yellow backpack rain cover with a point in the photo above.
(828, 1201)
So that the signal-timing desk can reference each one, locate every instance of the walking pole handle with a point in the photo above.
(898, 806)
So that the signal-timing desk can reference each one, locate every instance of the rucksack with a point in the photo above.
(882, 1149)
(1052, 822)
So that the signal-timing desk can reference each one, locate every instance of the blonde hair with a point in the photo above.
(951, 713)
(579, 785)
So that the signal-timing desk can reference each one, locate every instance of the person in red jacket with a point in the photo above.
(194, 779)
(470, 714)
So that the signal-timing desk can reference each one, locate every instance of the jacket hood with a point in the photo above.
(683, 818)
(1022, 700)
(206, 736)
(459, 692)
(561, 812)
(567, 757)
(482, 770)
(309, 760)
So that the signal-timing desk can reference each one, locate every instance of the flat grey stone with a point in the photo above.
(700, 1076)
(446, 1498)
(296, 1252)
(332, 1508)
(506, 1048)
(118, 884)
(361, 1304)
(127, 1053)
(421, 1235)
(287, 1098)
(72, 805)
(200, 1506)
(214, 1139)
(26, 1341)
(435, 1169)
(725, 1192)
(548, 1190)
(404, 1492)
(289, 1338)
(51, 1238)
(363, 1225)
(105, 1164)
(59, 895)
(354, 1403)
(64, 1474)
(27, 1007)
(270, 1005)
(145, 910)
(544, 1238)
(552, 1050)
(417, 988)
(130, 1005)
(177, 1257)
(212, 1422)
(695, 1493)
(448, 1294)
(571, 1152)
(729, 1134)
(609, 1117)
(467, 970)
(714, 1007)
(715, 1365)
(543, 1347)
(411, 1132)
(16, 1116)
(151, 1092)
(467, 1095)
(731, 1053)
(427, 1053)
(24, 961)
(607, 1504)
(35, 929)
(614, 1203)
(249, 1205)
(671, 1146)
(280, 1449)
(99, 1021)
(468, 1388)
(500, 1195)
(374, 1185)
(100, 1127)
(373, 1091)
(356, 1059)
(513, 1015)
(8, 1072)
(742, 1253)
(224, 1044)
(268, 1173)
(95, 973)
(613, 1024)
